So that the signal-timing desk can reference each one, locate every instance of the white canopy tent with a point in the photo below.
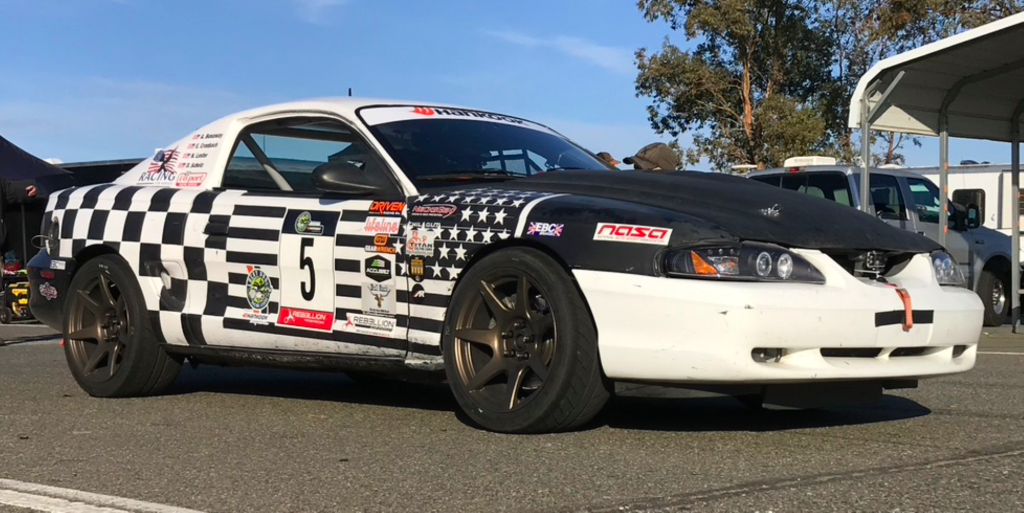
(971, 86)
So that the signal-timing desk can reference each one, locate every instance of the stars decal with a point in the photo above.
(484, 216)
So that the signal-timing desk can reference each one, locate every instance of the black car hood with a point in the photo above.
(739, 206)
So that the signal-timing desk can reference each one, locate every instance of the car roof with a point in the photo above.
(847, 170)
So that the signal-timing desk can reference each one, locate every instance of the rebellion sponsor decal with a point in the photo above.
(382, 244)
(162, 167)
(258, 290)
(420, 243)
(370, 325)
(48, 291)
(545, 229)
(387, 208)
(378, 268)
(416, 268)
(387, 225)
(418, 294)
(307, 319)
(442, 211)
(379, 299)
(632, 233)
(304, 223)
(191, 179)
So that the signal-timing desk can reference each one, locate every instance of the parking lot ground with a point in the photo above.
(227, 440)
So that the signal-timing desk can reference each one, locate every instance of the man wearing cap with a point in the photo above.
(607, 157)
(654, 157)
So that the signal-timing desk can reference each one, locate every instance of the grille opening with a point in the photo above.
(855, 262)
(850, 352)
(907, 351)
(958, 350)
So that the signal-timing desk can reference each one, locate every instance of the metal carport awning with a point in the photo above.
(970, 86)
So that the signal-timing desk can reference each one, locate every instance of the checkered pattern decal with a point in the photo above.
(198, 254)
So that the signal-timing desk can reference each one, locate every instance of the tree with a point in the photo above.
(750, 84)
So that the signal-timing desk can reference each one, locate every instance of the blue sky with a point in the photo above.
(104, 79)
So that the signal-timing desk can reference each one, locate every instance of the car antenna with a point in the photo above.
(350, 91)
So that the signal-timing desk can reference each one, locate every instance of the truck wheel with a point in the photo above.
(994, 292)
(6, 315)
(110, 345)
(520, 348)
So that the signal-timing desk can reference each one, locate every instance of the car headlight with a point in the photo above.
(746, 262)
(947, 271)
(53, 238)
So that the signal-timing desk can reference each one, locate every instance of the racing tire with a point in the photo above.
(994, 292)
(109, 341)
(6, 315)
(522, 366)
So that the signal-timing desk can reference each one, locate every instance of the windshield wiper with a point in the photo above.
(472, 175)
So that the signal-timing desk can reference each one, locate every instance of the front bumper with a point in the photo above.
(701, 331)
(50, 279)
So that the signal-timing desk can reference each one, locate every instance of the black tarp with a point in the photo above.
(23, 169)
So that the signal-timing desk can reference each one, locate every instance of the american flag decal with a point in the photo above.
(164, 162)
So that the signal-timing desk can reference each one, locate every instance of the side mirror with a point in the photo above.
(973, 219)
(343, 177)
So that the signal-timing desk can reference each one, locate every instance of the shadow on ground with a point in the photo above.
(630, 413)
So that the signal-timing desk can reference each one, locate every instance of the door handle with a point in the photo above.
(980, 242)
(216, 229)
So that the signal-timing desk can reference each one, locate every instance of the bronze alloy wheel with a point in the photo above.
(98, 330)
(505, 342)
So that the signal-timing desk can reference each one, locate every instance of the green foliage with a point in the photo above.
(762, 80)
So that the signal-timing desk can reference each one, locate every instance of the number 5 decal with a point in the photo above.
(307, 270)
(306, 262)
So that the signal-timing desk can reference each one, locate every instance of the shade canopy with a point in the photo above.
(17, 164)
(978, 75)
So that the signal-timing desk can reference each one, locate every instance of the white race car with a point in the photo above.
(412, 240)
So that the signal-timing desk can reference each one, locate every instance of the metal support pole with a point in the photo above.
(865, 153)
(1015, 231)
(943, 177)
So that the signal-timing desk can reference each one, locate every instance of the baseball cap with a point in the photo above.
(655, 156)
(607, 157)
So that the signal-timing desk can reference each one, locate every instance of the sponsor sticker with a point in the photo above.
(387, 208)
(162, 167)
(321, 321)
(305, 224)
(418, 294)
(381, 244)
(441, 211)
(632, 233)
(377, 268)
(258, 290)
(58, 265)
(545, 229)
(385, 225)
(48, 291)
(416, 269)
(191, 179)
(369, 325)
(379, 299)
(420, 243)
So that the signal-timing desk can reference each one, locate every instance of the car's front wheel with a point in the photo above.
(109, 341)
(520, 347)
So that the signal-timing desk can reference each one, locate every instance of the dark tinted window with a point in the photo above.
(442, 146)
(770, 179)
(887, 198)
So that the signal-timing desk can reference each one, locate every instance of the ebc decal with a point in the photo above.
(307, 269)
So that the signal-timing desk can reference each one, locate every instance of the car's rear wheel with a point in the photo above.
(110, 345)
(520, 347)
(994, 290)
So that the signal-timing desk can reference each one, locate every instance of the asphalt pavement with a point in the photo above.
(239, 440)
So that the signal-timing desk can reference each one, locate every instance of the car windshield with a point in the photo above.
(436, 148)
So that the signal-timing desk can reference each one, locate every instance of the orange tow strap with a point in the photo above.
(908, 309)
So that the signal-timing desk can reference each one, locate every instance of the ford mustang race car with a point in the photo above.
(394, 239)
